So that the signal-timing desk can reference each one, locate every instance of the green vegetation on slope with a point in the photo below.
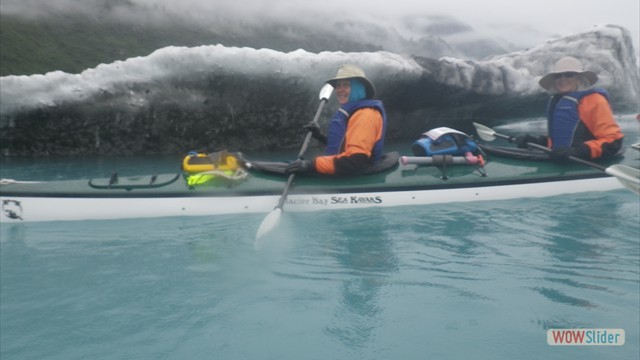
(73, 45)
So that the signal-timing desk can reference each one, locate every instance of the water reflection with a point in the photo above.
(365, 252)
(589, 259)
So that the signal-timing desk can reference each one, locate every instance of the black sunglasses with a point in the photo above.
(568, 74)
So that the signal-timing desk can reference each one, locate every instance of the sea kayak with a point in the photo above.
(410, 181)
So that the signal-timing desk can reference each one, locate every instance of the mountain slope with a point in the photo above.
(73, 43)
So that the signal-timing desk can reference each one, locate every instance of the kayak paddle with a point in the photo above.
(273, 218)
(626, 175)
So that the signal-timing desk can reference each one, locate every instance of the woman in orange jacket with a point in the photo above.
(580, 122)
(355, 138)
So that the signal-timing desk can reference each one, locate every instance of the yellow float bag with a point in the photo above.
(203, 168)
(196, 162)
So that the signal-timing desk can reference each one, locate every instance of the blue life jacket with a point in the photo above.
(338, 127)
(563, 119)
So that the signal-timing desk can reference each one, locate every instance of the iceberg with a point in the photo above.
(179, 98)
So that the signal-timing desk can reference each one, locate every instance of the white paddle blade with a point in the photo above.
(269, 222)
(325, 92)
(485, 133)
(628, 176)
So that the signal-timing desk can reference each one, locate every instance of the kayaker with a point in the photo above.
(356, 132)
(580, 122)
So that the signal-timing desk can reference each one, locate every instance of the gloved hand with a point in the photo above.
(522, 140)
(315, 132)
(300, 167)
(562, 154)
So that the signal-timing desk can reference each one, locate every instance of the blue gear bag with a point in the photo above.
(444, 141)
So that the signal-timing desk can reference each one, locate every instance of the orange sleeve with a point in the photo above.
(363, 131)
(596, 114)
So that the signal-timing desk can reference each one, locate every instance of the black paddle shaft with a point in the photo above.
(303, 149)
(547, 150)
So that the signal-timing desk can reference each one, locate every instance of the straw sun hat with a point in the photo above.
(567, 64)
(354, 72)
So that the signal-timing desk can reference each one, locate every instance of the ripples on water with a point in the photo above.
(456, 281)
(479, 280)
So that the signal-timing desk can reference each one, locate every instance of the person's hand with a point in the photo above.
(560, 155)
(563, 154)
(315, 132)
(313, 127)
(522, 140)
(300, 167)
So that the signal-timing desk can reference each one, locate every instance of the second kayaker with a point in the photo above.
(580, 122)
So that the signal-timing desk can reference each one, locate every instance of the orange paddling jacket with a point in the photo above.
(584, 119)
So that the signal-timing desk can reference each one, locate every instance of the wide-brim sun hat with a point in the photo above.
(354, 72)
(564, 65)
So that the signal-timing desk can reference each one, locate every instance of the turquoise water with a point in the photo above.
(480, 280)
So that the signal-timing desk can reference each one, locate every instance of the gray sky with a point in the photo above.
(517, 21)
(525, 23)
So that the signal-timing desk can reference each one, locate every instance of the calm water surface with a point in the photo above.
(482, 281)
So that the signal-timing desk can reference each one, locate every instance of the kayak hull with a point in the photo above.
(25, 208)
(167, 195)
